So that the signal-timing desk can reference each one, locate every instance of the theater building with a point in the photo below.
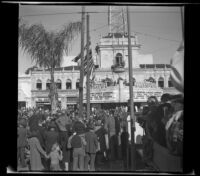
(111, 77)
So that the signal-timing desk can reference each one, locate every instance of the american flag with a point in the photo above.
(91, 61)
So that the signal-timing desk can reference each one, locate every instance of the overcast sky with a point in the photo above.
(158, 28)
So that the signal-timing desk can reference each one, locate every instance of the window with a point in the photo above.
(161, 82)
(39, 84)
(118, 59)
(170, 83)
(48, 84)
(59, 84)
(69, 84)
(77, 84)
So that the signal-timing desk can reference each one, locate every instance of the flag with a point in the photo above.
(177, 68)
(91, 61)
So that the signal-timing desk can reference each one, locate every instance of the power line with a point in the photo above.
(154, 36)
(98, 13)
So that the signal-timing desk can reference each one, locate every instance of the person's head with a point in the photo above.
(152, 101)
(55, 147)
(165, 97)
(177, 104)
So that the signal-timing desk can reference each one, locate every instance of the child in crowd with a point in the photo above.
(55, 157)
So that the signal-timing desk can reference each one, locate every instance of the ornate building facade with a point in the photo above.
(111, 72)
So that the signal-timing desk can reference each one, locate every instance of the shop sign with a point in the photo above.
(100, 97)
(98, 85)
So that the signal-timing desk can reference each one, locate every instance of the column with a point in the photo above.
(63, 86)
(74, 83)
(43, 84)
(33, 103)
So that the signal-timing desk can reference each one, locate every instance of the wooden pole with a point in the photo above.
(88, 69)
(133, 164)
(82, 64)
(182, 21)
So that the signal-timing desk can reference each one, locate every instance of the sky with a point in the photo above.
(158, 28)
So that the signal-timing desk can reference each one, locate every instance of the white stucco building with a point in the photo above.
(24, 90)
(111, 74)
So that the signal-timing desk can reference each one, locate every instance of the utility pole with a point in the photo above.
(82, 64)
(132, 117)
(88, 69)
(182, 21)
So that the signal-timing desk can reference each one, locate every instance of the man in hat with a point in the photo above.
(62, 122)
(77, 143)
(91, 148)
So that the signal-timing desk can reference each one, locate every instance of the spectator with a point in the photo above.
(77, 143)
(51, 137)
(91, 148)
(35, 151)
(21, 142)
(55, 157)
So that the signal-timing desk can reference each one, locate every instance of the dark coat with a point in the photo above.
(51, 138)
(101, 136)
(76, 141)
(21, 140)
(41, 136)
(92, 142)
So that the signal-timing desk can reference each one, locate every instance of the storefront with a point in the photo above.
(24, 100)
(113, 96)
(45, 103)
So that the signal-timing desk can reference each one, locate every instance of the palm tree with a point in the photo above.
(46, 48)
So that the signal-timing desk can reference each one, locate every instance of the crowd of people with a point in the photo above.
(66, 141)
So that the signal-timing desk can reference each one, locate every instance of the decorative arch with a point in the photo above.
(48, 84)
(77, 83)
(170, 82)
(68, 84)
(119, 59)
(161, 82)
(39, 84)
(58, 84)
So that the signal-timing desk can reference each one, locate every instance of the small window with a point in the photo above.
(77, 84)
(48, 84)
(39, 84)
(170, 83)
(118, 59)
(69, 84)
(59, 84)
(161, 82)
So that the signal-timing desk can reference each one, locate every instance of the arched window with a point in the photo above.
(170, 82)
(69, 84)
(48, 84)
(39, 84)
(58, 84)
(161, 82)
(118, 59)
(77, 84)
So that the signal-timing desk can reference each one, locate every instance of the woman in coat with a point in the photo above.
(35, 152)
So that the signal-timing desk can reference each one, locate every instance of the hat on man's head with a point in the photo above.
(79, 127)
